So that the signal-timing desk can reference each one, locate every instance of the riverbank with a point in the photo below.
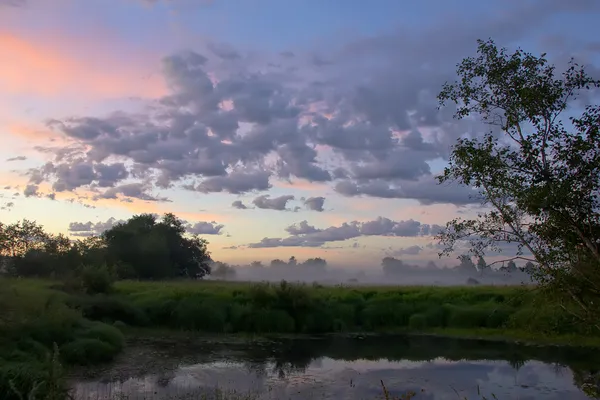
(87, 328)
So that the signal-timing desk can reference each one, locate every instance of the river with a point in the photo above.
(333, 367)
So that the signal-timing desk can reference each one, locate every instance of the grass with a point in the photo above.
(515, 312)
(37, 331)
(491, 312)
(86, 329)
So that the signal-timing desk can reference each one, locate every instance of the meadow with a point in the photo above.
(41, 315)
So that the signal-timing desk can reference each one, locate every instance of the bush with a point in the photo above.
(106, 333)
(96, 279)
(109, 309)
(197, 314)
(417, 321)
(87, 351)
(548, 320)
(468, 317)
(34, 380)
(386, 313)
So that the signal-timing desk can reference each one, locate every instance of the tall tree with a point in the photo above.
(466, 264)
(482, 266)
(537, 173)
(150, 249)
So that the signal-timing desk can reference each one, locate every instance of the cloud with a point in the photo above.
(8, 206)
(18, 158)
(301, 228)
(92, 229)
(306, 235)
(31, 191)
(363, 120)
(426, 191)
(205, 228)
(315, 203)
(130, 190)
(72, 174)
(236, 182)
(275, 203)
(239, 205)
(411, 250)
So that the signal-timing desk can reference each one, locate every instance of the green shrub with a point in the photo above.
(106, 333)
(548, 320)
(96, 279)
(34, 380)
(417, 321)
(109, 309)
(499, 317)
(196, 314)
(120, 325)
(386, 313)
(467, 317)
(87, 351)
(18, 379)
(57, 325)
(270, 321)
(158, 309)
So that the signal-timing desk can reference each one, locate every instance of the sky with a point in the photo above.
(274, 128)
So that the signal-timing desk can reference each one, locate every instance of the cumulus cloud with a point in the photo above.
(205, 228)
(18, 158)
(236, 182)
(130, 190)
(239, 205)
(90, 228)
(363, 119)
(303, 234)
(31, 191)
(275, 203)
(8, 205)
(410, 251)
(301, 228)
(315, 203)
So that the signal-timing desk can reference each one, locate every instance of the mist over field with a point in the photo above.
(392, 272)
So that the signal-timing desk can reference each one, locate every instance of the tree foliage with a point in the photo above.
(140, 248)
(153, 249)
(537, 170)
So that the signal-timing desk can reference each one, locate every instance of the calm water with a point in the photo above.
(342, 368)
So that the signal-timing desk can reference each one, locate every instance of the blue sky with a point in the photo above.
(213, 102)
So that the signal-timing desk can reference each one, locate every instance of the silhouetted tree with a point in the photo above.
(466, 265)
(393, 266)
(222, 270)
(316, 263)
(155, 250)
(278, 263)
(482, 265)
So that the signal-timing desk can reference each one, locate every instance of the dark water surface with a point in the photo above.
(342, 368)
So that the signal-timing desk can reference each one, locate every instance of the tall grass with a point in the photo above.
(301, 308)
(38, 331)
